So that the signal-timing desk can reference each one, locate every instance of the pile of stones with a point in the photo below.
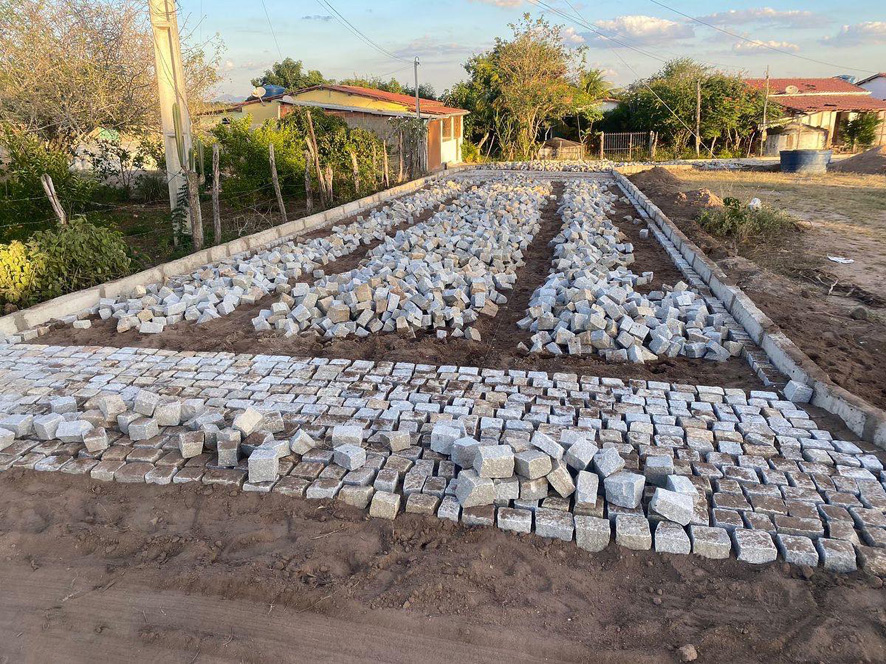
(589, 305)
(440, 274)
(217, 289)
(567, 166)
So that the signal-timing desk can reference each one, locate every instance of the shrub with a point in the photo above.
(470, 153)
(61, 260)
(738, 222)
(150, 188)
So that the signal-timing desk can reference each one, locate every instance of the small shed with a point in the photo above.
(561, 149)
(795, 136)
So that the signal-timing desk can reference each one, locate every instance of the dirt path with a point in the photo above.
(188, 573)
(846, 338)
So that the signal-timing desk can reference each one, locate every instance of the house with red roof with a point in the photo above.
(814, 111)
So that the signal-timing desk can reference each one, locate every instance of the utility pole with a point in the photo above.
(763, 130)
(697, 118)
(417, 100)
(171, 83)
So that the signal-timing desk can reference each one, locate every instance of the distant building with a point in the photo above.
(811, 105)
(875, 84)
(366, 108)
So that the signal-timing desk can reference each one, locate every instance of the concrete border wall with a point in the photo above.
(73, 303)
(864, 419)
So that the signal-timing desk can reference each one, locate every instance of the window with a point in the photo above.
(447, 129)
(457, 127)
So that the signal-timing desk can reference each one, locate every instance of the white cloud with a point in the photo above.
(640, 31)
(752, 48)
(793, 18)
(571, 36)
(317, 17)
(869, 32)
(429, 47)
(500, 3)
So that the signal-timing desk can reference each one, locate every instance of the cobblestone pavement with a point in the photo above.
(680, 468)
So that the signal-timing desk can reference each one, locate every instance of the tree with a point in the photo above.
(861, 130)
(291, 75)
(71, 67)
(591, 87)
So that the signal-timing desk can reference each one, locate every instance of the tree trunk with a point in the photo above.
(309, 194)
(400, 152)
(54, 201)
(356, 170)
(316, 153)
(387, 177)
(196, 214)
(276, 181)
(216, 215)
(329, 184)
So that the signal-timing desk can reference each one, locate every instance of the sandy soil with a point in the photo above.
(845, 335)
(200, 574)
(499, 335)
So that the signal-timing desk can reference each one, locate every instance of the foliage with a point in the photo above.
(730, 109)
(290, 74)
(61, 260)
(470, 153)
(115, 162)
(150, 187)
(415, 136)
(740, 223)
(861, 130)
(71, 67)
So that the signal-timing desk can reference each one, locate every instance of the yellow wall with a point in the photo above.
(343, 99)
(258, 112)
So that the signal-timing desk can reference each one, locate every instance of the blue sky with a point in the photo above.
(445, 34)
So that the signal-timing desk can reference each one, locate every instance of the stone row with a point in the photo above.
(440, 274)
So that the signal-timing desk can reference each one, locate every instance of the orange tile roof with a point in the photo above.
(817, 103)
(429, 106)
(778, 86)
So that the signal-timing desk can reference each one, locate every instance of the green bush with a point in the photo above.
(150, 187)
(61, 260)
(470, 153)
(736, 221)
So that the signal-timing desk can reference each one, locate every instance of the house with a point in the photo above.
(875, 84)
(372, 109)
(812, 104)
(366, 108)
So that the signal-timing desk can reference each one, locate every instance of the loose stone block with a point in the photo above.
(73, 431)
(248, 421)
(494, 461)
(532, 464)
(397, 441)
(21, 425)
(463, 451)
(449, 509)
(45, 426)
(676, 507)
(671, 538)
(443, 435)
(872, 560)
(111, 405)
(168, 413)
(547, 445)
(534, 489)
(580, 454)
(356, 496)
(657, 469)
(291, 486)
(592, 533)
(145, 403)
(63, 405)
(473, 490)
(133, 473)
(190, 444)
(264, 466)
(632, 531)
(301, 443)
(96, 440)
(554, 524)
(161, 475)
(421, 503)
(346, 434)
(836, 555)
(515, 520)
(350, 456)
(608, 462)
(143, 428)
(754, 546)
(681, 484)
(797, 392)
(797, 550)
(323, 488)
(385, 505)
(709, 542)
(228, 447)
(481, 515)
(560, 479)
(624, 489)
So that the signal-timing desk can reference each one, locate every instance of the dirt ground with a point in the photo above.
(187, 573)
(499, 335)
(841, 326)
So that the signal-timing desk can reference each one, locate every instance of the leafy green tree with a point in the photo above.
(290, 74)
(591, 86)
(861, 130)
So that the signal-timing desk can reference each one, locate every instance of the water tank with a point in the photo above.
(804, 161)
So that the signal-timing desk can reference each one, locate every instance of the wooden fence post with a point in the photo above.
(309, 194)
(56, 204)
(400, 152)
(602, 140)
(316, 152)
(276, 182)
(193, 179)
(216, 215)
(329, 184)
(356, 170)
(387, 180)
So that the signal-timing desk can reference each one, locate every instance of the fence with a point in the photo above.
(628, 145)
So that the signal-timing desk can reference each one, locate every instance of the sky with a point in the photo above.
(847, 39)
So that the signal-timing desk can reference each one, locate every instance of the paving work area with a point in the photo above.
(546, 366)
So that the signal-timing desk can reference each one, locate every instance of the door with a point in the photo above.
(434, 144)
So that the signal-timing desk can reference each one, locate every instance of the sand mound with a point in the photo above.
(871, 162)
(657, 178)
(702, 198)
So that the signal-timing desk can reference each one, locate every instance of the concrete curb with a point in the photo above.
(864, 419)
(76, 302)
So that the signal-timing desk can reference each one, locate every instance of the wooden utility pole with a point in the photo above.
(417, 99)
(216, 216)
(697, 118)
(56, 204)
(276, 182)
(763, 130)
(171, 85)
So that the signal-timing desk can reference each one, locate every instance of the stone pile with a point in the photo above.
(677, 467)
(217, 289)
(440, 274)
(566, 166)
(589, 305)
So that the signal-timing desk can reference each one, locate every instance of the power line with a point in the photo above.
(350, 26)
(755, 42)
(271, 26)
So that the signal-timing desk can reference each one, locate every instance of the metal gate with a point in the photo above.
(628, 145)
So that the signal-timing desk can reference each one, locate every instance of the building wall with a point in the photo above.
(336, 98)
(877, 87)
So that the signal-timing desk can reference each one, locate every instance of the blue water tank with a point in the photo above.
(805, 161)
(273, 90)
